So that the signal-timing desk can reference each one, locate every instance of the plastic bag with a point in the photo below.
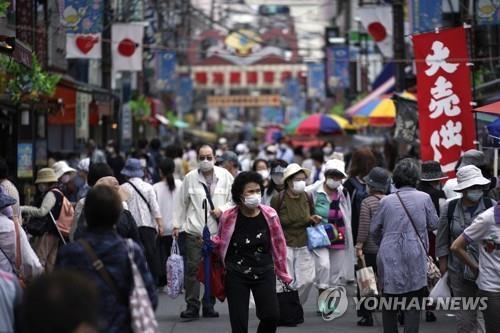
(317, 237)
(175, 271)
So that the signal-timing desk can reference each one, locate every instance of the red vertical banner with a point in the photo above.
(446, 123)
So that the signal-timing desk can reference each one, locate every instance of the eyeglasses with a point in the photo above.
(205, 158)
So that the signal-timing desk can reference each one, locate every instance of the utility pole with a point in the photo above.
(399, 43)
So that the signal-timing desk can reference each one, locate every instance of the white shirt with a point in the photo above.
(189, 215)
(30, 264)
(138, 207)
(166, 201)
(486, 232)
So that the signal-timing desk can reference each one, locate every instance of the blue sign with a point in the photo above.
(166, 62)
(272, 115)
(337, 67)
(295, 99)
(316, 80)
(488, 11)
(425, 15)
(184, 92)
(82, 16)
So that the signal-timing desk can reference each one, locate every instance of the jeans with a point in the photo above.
(193, 258)
(238, 287)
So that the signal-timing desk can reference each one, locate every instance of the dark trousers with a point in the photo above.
(164, 246)
(238, 287)
(370, 260)
(412, 317)
(193, 259)
(148, 237)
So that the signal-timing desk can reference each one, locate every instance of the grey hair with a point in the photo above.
(406, 173)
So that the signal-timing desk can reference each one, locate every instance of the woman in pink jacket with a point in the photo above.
(252, 247)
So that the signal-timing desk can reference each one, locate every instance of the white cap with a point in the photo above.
(337, 165)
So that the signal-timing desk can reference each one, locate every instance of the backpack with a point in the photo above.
(65, 220)
(453, 204)
(309, 201)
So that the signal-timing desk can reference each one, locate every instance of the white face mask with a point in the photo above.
(277, 179)
(474, 195)
(332, 183)
(264, 174)
(252, 201)
(327, 150)
(206, 165)
(65, 179)
(299, 186)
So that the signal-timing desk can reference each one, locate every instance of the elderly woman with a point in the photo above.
(102, 210)
(253, 249)
(296, 211)
(456, 216)
(378, 182)
(276, 183)
(400, 229)
(333, 204)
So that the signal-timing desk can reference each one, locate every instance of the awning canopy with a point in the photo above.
(490, 108)
(381, 90)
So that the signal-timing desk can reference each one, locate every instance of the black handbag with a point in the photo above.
(37, 226)
(291, 312)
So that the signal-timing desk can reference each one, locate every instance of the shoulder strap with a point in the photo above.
(140, 193)
(209, 196)
(411, 221)
(310, 202)
(281, 199)
(451, 210)
(99, 267)
(19, 259)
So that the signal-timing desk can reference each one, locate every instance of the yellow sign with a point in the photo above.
(243, 101)
(243, 41)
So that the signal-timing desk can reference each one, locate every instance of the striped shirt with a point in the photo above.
(369, 207)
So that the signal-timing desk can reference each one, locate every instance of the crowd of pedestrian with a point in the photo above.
(89, 252)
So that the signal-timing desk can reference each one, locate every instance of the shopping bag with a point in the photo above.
(291, 311)
(317, 237)
(367, 281)
(175, 271)
(217, 277)
(441, 289)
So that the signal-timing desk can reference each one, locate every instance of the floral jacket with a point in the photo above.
(227, 224)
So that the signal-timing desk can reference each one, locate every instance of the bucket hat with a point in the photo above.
(431, 171)
(292, 169)
(46, 175)
(469, 176)
(336, 165)
(6, 200)
(132, 168)
(84, 165)
(62, 167)
(473, 157)
(378, 178)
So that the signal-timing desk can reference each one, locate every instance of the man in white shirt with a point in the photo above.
(205, 182)
(143, 205)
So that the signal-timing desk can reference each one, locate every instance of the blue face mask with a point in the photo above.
(475, 195)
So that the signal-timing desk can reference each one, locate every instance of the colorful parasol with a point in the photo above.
(379, 112)
(322, 124)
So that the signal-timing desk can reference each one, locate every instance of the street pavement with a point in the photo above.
(169, 309)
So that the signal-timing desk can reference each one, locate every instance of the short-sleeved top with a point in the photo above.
(249, 251)
(486, 231)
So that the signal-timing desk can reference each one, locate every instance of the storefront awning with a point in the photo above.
(490, 108)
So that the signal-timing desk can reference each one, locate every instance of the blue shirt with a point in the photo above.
(401, 260)
(111, 249)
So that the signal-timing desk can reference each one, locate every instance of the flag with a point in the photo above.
(83, 25)
(316, 80)
(337, 67)
(444, 96)
(165, 70)
(377, 20)
(83, 46)
(126, 46)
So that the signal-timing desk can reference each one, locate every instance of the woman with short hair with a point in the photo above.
(252, 247)
(103, 207)
(400, 229)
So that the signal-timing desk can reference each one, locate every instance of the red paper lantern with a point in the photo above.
(201, 78)
(252, 77)
(268, 77)
(218, 78)
(235, 77)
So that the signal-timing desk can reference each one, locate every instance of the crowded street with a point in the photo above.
(249, 166)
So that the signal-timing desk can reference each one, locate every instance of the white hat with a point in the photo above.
(241, 148)
(222, 141)
(84, 165)
(469, 176)
(336, 165)
(61, 167)
(292, 169)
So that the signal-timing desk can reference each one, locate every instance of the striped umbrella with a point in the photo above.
(322, 124)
